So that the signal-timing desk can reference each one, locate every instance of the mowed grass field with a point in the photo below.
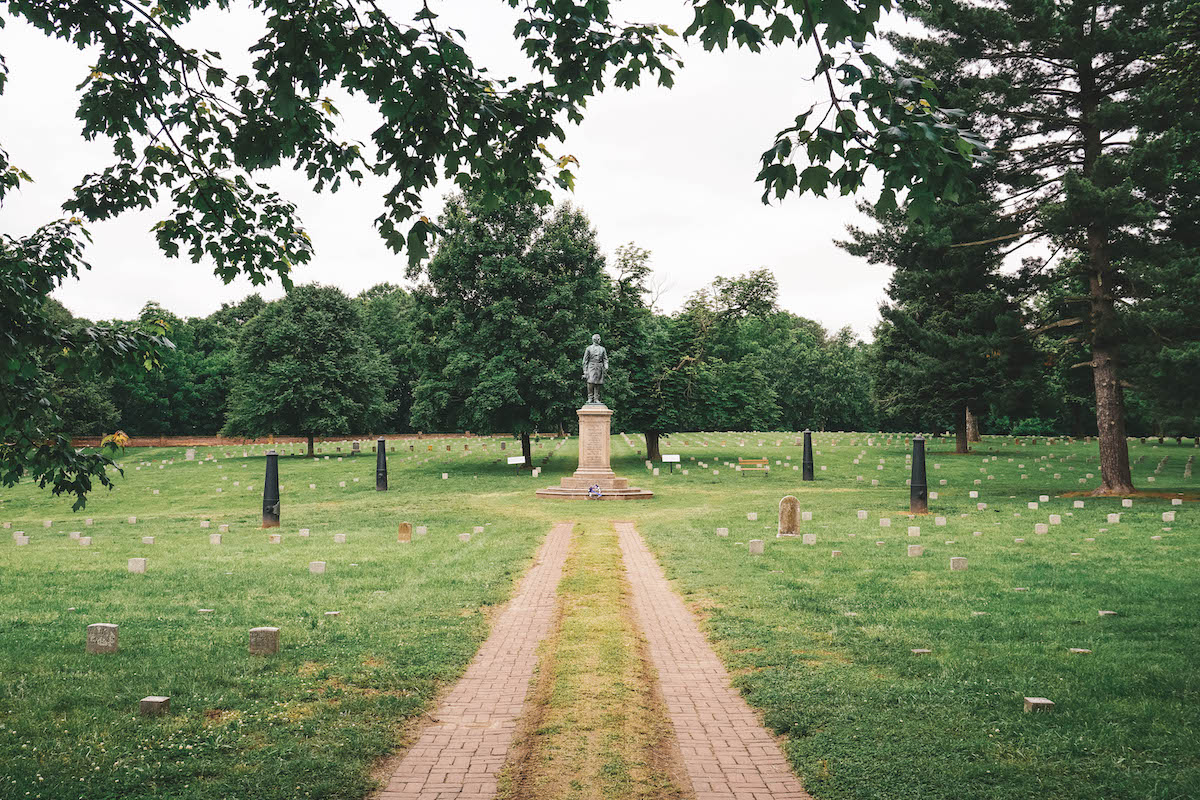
(821, 645)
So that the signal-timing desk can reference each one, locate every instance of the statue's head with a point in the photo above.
(595, 338)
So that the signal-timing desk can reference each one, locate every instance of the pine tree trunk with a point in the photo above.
(311, 452)
(652, 451)
(960, 430)
(973, 428)
(527, 450)
(1115, 475)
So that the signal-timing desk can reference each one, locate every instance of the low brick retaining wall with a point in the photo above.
(230, 441)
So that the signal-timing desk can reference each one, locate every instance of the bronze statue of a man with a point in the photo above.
(595, 365)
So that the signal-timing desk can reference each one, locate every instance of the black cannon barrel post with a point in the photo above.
(381, 465)
(918, 493)
(271, 491)
(808, 460)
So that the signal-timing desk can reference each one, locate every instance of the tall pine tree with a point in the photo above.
(950, 327)
(1060, 88)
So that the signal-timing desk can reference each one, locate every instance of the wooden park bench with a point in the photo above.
(754, 465)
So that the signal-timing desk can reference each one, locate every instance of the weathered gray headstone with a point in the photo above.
(102, 637)
(756, 547)
(1038, 704)
(264, 641)
(154, 705)
(789, 519)
(137, 565)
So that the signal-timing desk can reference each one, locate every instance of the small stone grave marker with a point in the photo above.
(1038, 704)
(264, 641)
(102, 637)
(789, 509)
(154, 705)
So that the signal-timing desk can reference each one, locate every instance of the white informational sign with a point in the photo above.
(670, 459)
(516, 459)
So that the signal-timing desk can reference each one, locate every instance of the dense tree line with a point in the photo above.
(488, 340)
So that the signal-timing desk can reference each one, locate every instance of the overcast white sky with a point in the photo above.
(671, 170)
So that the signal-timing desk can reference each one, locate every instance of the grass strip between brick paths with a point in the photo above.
(597, 726)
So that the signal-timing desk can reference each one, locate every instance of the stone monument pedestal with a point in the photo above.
(594, 469)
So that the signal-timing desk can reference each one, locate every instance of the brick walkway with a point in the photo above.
(728, 755)
(460, 756)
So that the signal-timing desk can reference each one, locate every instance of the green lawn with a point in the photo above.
(823, 645)
(864, 717)
(306, 723)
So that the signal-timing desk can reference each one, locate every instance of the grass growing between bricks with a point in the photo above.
(598, 730)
